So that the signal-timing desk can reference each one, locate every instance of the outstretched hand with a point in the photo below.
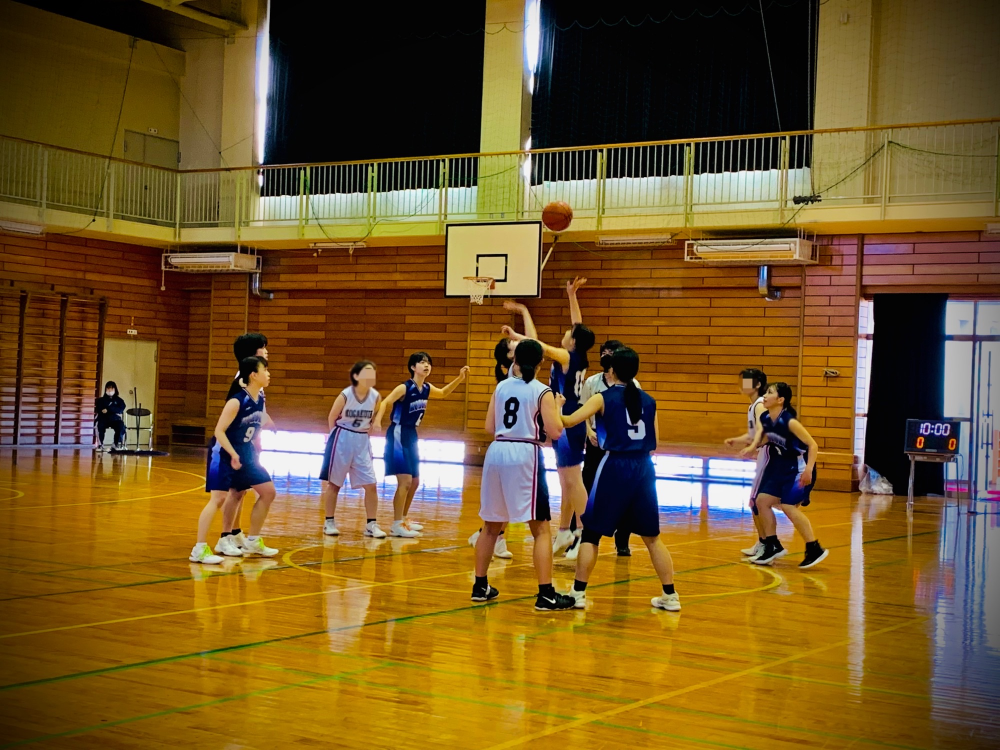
(464, 372)
(573, 286)
(513, 306)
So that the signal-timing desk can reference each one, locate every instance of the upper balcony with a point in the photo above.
(908, 177)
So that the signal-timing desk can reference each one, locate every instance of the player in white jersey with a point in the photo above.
(753, 385)
(348, 448)
(522, 415)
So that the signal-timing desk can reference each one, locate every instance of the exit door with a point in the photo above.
(132, 364)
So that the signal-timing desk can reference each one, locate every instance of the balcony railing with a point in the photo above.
(745, 180)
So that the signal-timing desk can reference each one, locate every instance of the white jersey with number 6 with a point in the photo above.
(357, 415)
(517, 408)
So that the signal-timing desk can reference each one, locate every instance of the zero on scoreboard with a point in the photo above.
(932, 436)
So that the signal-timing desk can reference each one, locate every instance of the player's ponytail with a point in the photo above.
(527, 356)
(757, 377)
(625, 363)
(783, 390)
(501, 353)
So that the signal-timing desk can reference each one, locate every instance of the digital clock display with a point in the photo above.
(931, 436)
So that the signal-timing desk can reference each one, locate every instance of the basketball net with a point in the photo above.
(478, 286)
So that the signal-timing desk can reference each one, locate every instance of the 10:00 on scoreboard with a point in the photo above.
(931, 436)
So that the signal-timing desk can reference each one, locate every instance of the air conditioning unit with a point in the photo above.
(789, 251)
(635, 241)
(211, 262)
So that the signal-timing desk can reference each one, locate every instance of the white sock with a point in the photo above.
(253, 538)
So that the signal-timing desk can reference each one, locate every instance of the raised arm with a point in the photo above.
(575, 316)
(555, 353)
(529, 324)
(448, 389)
(397, 393)
(590, 407)
(338, 406)
(799, 430)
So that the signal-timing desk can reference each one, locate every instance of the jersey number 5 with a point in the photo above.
(510, 408)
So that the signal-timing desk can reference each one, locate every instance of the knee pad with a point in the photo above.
(590, 537)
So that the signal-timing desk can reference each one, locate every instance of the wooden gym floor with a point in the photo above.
(110, 638)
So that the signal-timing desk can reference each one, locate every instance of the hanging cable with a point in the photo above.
(767, 49)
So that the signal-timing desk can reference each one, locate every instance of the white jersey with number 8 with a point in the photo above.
(517, 409)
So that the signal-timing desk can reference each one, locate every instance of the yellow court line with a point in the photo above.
(121, 500)
(286, 558)
(590, 718)
(16, 495)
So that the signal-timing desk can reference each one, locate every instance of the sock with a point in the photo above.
(760, 539)
(371, 520)
(500, 534)
(252, 538)
(668, 589)
(224, 534)
(481, 583)
(329, 518)
(236, 532)
(772, 540)
(813, 545)
(579, 585)
(546, 588)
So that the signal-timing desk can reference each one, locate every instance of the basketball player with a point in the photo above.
(785, 482)
(521, 413)
(408, 402)
(624, 494)
(569, 369)
(231, 541)
(232, 463)
(598, 384)
(503, 353)
(349, 450)
(753, 384)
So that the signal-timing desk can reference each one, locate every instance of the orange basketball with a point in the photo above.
(557, 216)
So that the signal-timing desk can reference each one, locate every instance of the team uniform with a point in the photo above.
(761, 452)
(514, 489)
(569, 446)
(624, 492)
(220, 474)
(401, 453)
(348, 447)
(783, 462)
(591, 386)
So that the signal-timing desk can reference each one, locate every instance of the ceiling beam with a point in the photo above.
(230, 27)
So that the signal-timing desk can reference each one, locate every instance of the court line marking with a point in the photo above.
(289, 597)
(107, 502)
(589, 719)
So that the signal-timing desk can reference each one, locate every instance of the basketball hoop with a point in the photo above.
(479, 286)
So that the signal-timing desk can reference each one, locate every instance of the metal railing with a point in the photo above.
(760, 179)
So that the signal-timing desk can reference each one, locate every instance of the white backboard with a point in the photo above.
(510, 252)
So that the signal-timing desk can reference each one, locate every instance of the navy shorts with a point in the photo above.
(569, 446)
(624, 496)
(220, 474)
(401, 453)
(781, 479)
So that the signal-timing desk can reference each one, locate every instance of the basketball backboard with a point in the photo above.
(510, 252)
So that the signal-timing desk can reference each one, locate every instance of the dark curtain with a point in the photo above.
(907, 382)
(372, 81)
(643, 70)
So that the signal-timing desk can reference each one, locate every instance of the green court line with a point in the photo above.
(841, 686)
(685, 738)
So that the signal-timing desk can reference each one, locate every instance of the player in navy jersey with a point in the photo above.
(232, 462)
(348, 448)
(503, 353)
(246, 345)
(753, 385)
(569, 370)
(786, 480)
(408, 402)
(624, 493)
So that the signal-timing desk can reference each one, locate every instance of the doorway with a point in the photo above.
(132, 364)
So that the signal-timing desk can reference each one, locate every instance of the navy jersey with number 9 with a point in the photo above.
(246, 424)
(615, 431)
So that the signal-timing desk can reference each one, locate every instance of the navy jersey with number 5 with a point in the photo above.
(409, 410)
(615, 431)
(569, 382)
(246, 424)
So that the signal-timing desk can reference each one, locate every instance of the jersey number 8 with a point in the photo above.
(510, 408)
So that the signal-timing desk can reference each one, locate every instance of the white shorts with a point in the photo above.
(346, 453)
(514, 489)
(758, 472)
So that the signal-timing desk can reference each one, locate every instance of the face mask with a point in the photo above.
(109, 393)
